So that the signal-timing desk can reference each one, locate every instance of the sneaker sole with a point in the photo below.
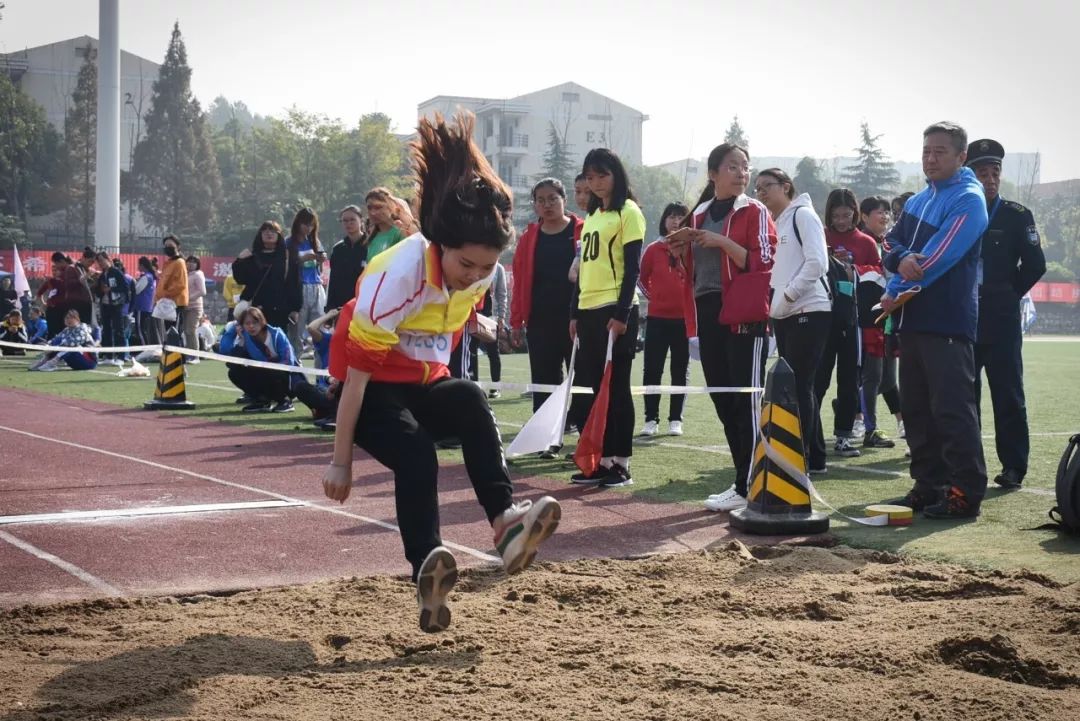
(539, 530)
(585, 481)
(436, 579)
(619, 484)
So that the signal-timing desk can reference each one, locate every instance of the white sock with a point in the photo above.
(623, 461)
(606, 461)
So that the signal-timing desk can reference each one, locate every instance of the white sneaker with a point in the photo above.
(900, 431)
(649, 429)
(521, 529)
(729, 500)
(437, 576)
(675, 428)
(859, 429)
(50, 365)
(192, 361)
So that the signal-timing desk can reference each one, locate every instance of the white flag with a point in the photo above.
(22, 285)
(545, 428)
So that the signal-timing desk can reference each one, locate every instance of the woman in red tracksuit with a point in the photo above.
(543, 291)
(729, 235)
(661, 281)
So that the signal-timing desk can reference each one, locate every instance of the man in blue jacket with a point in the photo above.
(934, 252)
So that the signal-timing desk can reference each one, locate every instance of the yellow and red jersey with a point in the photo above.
(404, 322)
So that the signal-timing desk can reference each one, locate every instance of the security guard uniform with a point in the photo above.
(1012, 262)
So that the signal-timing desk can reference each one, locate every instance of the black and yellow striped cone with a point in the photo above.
(170, 393)
(779, 501)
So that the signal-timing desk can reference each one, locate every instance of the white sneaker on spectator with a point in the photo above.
(859, 429)
(649, 429)
(675, 428)
(49, 365)
(192, 361)
(729, 500)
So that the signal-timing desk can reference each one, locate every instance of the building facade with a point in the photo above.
(515, 133)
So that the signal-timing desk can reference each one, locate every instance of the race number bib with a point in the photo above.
(426, 347)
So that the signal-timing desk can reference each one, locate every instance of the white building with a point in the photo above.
(49, 74)
(514, 133)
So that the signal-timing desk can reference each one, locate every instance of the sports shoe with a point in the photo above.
(590, 479)
(729, 500)
(877, 439)
(437, 576)
(675, 428)
(916, 499)
(259, 406)
(494, 393)
(649, 429)
(326, 424)
(521, 529)
(1010, 479)
(49, 366)
(844, 449)
(818, 471)
(244, 400)
(285, 406)
(859, 429)
(550, 454)
(617, 476)
(192, 361)
(901, 432)
(955, 504)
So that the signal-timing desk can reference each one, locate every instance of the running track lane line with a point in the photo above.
(374, 521)
(84, 576)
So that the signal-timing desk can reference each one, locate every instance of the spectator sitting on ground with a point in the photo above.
(37, 329)
(250, 337)
(12, 330)
(322, 396)
(205, 333)
(8, 297)
(76, 334)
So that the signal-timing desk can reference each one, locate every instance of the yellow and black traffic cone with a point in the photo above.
(170, 393)
(779, 493)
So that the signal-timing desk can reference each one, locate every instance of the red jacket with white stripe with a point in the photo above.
(748, 224)
(662, 280)
(522, 269)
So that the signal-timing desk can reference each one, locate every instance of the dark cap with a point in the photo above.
(985, 151)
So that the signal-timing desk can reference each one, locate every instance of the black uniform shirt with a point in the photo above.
(1012, 262)
(347, 262)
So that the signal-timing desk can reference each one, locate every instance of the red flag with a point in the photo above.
(590, 448)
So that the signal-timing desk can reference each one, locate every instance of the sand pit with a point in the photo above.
(784, 633)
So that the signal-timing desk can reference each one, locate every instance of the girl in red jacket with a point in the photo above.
(661, 281)
(729, 235)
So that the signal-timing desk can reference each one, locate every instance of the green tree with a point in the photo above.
(808, 180)
(31, 155)
(654, 188)
(11, 231)
(874, 173)
(735, 134)
(558, 161)
(175, 175)
(80, 138)
(376, 157)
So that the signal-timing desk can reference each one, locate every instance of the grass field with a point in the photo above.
(688, 468)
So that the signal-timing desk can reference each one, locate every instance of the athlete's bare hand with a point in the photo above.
(337, 482)
(617, 326)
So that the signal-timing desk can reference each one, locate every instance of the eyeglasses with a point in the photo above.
(552, 200)
(764, 188)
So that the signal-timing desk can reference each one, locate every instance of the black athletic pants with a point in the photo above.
(398, 426)
(937, 374)
(1004, 366)
(317, 398)
(732, 359)
(112, 328)
(660, 335)
(800, 340)
(841, 352)
(592, 351)
(260, 382)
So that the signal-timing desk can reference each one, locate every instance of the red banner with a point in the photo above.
(1056, 293)
(38, 263)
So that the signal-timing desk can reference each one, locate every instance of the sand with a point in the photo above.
(770, 633)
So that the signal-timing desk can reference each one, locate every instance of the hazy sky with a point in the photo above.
(800, 74)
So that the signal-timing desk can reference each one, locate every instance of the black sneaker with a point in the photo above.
(284, 406)
(916, 499)
(955, 504)
(550, 454)
(244, 400)
(818, 471)
(844, 449)
(494, 394)
(451, 443)
(257, 407)
(1010, 479)
(326, 424)
(617, 476)
(590, 479)
(877, 439)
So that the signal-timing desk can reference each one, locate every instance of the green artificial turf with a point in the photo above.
(689, 468)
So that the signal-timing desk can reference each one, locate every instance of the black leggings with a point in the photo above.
(592, 335)
(660, 335)
(399, 425)
(800, 340)
(260, 382)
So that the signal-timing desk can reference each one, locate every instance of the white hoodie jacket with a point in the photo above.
(798, 270)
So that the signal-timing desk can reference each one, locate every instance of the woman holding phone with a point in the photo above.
(304, 244)
(727, 249)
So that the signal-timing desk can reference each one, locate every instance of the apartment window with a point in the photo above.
(595, 136)
(606, 118)
(571, 97)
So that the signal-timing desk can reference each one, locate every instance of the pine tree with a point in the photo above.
(735, 134)
(31, 155)
(558, 162)
(80, 137)
(874, 174)
(808, 180)
(175, 179)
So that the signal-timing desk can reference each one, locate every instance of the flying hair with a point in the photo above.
(462, 200)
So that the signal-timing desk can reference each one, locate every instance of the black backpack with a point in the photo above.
(1066, 514)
